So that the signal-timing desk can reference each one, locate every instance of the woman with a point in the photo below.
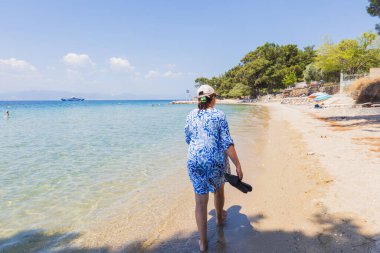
(209, 141)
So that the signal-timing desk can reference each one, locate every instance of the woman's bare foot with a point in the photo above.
(202, 246)
(223, 219)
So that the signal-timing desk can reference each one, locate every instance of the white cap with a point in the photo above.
(205, 90)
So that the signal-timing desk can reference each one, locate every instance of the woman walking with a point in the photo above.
(209, 141)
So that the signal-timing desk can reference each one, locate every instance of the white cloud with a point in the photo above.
(77, 60)
(121, 63)
(167, 74)
(153, 73)
(172, 74)
(12, 64)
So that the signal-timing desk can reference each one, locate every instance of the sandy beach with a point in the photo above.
(315, 179)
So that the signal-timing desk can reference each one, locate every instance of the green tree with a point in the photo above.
(373, 9)
(239, 90)
(349, 56)
(312, 73)
(201, 81)
(267, 66)
(263, 69)
(290, 78)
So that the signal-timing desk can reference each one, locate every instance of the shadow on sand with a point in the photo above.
(352, 121)
(237, 235)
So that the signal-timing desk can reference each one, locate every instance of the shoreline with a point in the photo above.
(218, 101)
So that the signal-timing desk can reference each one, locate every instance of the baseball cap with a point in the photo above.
(205, 91)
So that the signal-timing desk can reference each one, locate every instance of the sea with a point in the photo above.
(67, 165)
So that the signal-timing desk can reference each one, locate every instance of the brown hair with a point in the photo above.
(202, 105)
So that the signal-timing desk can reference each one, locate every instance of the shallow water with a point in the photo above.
(65, 164)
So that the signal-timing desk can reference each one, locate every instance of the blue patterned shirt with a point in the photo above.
(208, 137)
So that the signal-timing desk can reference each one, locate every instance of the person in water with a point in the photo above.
(6, 115)
(209, 142)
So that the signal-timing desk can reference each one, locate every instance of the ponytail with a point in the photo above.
(204, 102)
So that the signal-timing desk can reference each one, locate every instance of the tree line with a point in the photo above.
(271, 67)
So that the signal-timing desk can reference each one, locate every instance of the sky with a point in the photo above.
(154, 49)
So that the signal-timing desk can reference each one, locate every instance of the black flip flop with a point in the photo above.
(237, 183)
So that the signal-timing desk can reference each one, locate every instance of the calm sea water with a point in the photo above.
(62, 163)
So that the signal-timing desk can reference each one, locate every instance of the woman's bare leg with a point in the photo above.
(219, 204)
(201, 218)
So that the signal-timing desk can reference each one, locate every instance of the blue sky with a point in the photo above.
(154, 47)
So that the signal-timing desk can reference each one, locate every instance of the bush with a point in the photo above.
(366, 90)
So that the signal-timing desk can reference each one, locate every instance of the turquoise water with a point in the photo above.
(64, 163)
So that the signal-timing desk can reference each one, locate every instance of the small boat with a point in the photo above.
(72, 99)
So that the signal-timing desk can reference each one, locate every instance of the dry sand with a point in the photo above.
(316, 189)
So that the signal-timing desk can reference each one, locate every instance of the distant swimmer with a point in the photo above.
(6, 115)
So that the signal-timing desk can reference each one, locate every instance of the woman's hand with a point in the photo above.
(239, 172)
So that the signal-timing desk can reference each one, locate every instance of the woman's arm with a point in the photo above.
(231, 152)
